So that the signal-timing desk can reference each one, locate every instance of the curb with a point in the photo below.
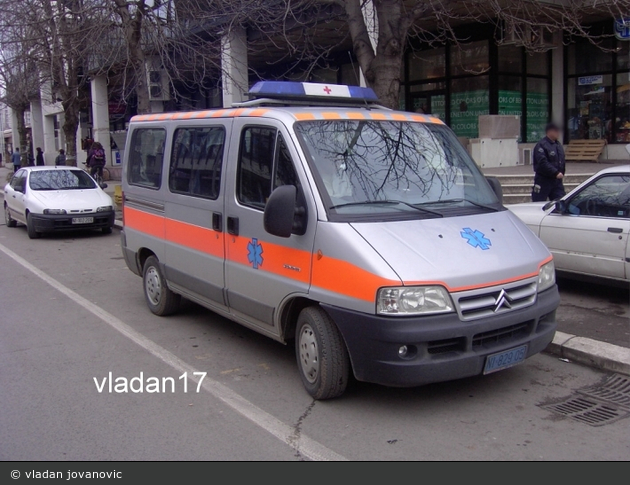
(593, 353)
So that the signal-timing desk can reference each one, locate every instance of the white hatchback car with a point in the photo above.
(587, 231)
(49, 199)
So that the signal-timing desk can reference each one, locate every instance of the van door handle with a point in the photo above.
(615, 230)
(232, 226)
(217, 222)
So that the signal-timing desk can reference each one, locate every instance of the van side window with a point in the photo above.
(285, 171)
(146, 154)
(196, 161)
(255, 166)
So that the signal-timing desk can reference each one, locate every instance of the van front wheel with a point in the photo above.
(160, 299)
(321, 354)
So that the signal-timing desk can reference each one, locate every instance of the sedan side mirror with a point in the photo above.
(560, 206)
(280, 211)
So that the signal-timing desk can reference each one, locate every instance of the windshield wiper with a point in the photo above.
(453, 201)
(376, 202)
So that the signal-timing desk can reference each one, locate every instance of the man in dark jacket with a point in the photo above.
(549, 166)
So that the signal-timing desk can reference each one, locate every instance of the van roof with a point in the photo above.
(301, 113)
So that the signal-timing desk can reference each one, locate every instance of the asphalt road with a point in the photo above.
(70, 311)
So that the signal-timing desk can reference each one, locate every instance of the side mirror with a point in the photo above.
(559, 205)
(280, 211)
(495, 185)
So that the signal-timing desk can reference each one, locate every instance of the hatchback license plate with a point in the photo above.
(82, 220)
(505, 359)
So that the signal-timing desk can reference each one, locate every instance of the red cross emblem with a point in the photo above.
(327, 90)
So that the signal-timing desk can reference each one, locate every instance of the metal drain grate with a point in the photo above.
(587, 411)
(596, 405)
(615, 390)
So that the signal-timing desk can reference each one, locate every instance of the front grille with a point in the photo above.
(502, 335)
(81, 211)
(448, 345)
(496, 300)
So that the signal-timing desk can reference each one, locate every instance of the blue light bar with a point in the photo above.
(288, 89)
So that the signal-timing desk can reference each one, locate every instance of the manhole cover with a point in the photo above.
(615, 390)
(596, 405)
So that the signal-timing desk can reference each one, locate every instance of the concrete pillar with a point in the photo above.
(50, 149)
(371, 22)
(557, 79)
(100, 113)
(37, 125)
(234, 66)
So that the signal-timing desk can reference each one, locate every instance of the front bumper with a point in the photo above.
(442, 347)
(63, 222)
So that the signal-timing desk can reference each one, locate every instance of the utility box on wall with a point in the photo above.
(494, 153)
(497, 145)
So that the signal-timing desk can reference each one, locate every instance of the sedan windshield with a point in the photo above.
(60, 179)
(396, 168)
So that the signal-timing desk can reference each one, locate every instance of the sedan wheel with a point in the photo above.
(30, 228)
(7, 217)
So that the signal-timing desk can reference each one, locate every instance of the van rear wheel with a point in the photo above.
(160, 299)
(321, 354)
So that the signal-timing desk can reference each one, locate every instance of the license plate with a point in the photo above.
(505, 359)
(82, 220)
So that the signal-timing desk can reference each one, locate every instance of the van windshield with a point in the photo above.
(397, 169)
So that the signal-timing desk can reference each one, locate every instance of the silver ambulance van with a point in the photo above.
(367, 236)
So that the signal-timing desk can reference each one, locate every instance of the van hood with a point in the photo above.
(459, 252)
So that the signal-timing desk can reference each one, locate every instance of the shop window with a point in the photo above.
(622, 120)
(511, 96)
(469, 100)
(472, 58)
(585, 58)
(427, 64)
(590, 107)
(537, 102)
(510, 59)
(538, 63)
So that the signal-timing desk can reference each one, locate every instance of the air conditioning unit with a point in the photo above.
(159, 87)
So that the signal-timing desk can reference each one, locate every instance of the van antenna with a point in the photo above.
(354, 71)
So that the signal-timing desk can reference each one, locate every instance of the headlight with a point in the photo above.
(413, 300)
(546, 276)
(105, 208)
(54, 211)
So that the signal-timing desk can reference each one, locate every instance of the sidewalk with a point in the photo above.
(571, 341)
(573, 168)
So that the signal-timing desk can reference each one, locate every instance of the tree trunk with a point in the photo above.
(21, 129)
(70, 127)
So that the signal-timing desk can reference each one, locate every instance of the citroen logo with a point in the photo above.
(503, 300)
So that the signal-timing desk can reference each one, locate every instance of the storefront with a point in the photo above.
(598, 88)
(460, 82)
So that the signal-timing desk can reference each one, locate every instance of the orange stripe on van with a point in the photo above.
(331, 115)
(433, 119)
(257, 112)
(194, 237)
(304, 116)
(355, 116)
(280, 260)
(347, 279)
(237, 112)
(399, 117)
(421, 119)
(217, 114)
(144, 222)
(378, 116)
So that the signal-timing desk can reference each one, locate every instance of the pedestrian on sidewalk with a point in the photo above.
(61, 158)
(549, 166)
(39, 158)
(96, 159)
(16, 159)
(30, 159)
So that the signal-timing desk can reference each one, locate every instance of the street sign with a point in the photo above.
(622, 28)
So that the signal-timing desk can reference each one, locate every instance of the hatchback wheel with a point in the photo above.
(160, 299)
(30, 227)
(7, 217)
